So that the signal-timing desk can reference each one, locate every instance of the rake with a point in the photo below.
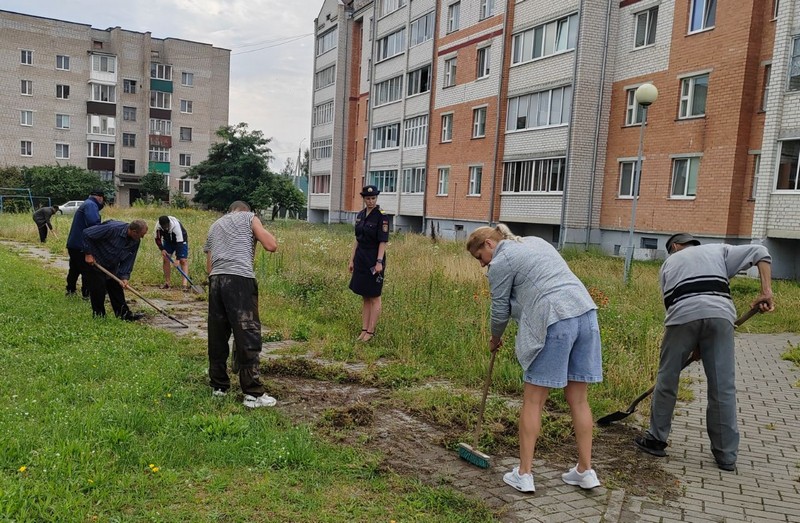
(470, 452)
(195, 288)
(694, 356)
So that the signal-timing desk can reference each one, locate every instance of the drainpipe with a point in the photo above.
(371, 61)
(490, 219)
(345, 95)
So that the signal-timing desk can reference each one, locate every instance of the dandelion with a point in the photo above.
(23, 468)
(169, 395)
(155, 469)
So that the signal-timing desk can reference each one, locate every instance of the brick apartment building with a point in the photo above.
(471, 112)
(117, 102)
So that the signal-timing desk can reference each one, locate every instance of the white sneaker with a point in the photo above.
(585, 480)
(264, 400)
(523, 483)
(219, 393)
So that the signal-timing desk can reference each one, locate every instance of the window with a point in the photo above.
(62, 121)
(415, 132)
(788, 165)
(129, 114)
(388, 91)
(391, 45)
(187, 79)
(97, 44)
(447, 127)
(26, 148)
(185, 186)
(323, 113)
(542, 109)
(325, 77)
(536, 176)
(475, 174)
(479, 122)
(105, 125)
(129, 166)
(62, 92)
(186, 106)
(158, 154)
(104, 93)
(26, 118)
(186, 134)
(26, 87)
(326, 41)
(646, 23)
(62, 63)
(421, 29)
(389, 6)
(160, 71)
(444, 177)
(128, 140)
(684, 177)
(321, 149)
(703, 16)
(450, 72)
(320, 184)
(419, 81)
(756, 169)
(160, 100)
(129, 86)
(185, 160)
(101, 150)
(453, 15)
(26, 58)
(544, 40)
(158, 126)
(104, 64)
(386, 137)
(634, 112)
(483, 62)
(385, 181)
(627, 172)
(775, 6)
(794, 66)
(694, 91)
(765, 96)
(486, 9)
(414, 180)
(648, 243)
(62, 151)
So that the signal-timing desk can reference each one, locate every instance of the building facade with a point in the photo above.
(471, 112)
(116, 102)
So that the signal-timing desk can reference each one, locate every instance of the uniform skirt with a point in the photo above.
(364, 282)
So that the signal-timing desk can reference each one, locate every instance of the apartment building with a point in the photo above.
(117, 102)
(530, 119)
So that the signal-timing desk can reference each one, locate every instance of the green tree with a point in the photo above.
(153, 187)
(11, 177)
(63, 182)
(237, 168)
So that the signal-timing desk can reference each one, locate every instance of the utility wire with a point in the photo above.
(273, 45)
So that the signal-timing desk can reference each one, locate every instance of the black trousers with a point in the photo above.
(233, 308)
(42, 232)
(77, 267)
(99, 286)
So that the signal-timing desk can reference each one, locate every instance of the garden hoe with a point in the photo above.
(694, 356)
(195, 288)
(156, 307)
(471, 453)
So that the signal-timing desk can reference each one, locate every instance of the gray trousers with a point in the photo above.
(714, 337)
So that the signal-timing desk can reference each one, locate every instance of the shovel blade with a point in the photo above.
(197, 289)
(611, 418)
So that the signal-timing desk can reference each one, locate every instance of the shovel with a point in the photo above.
(156, 307)
(694, 356)
(195, 288)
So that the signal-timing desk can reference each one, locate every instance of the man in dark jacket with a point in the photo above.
(42, 219)
(87, 215)
(113, 245)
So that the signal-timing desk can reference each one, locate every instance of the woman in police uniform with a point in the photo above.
(368, 261)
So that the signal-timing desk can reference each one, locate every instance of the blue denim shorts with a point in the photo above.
(571, 352)
(181, 248)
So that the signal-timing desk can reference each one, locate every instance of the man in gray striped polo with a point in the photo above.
(233, 301)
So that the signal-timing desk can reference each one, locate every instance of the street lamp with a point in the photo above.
(645, 95)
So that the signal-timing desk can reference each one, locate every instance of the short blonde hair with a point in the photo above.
(481, 234)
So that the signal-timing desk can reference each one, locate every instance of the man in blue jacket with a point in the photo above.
(87, 215)
(113, 245)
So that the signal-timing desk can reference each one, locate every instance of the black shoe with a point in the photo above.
(651, 446)
(133, 316)
(70, 294)
(729, 467)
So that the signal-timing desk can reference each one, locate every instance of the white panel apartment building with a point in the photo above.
(116, 102)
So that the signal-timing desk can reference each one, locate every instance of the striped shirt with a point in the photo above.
(232, 245)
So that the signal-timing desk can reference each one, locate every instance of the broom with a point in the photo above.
(471, 453)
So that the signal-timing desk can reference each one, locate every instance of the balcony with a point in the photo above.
(164, 86)
(101, 108)
(161, 140)
(100, 164)
(159, 167)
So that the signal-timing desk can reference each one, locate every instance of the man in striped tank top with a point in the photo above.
(233, 301)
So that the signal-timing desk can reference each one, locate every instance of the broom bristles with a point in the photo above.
(474, 456)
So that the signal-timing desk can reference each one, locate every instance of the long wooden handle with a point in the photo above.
(486, 383)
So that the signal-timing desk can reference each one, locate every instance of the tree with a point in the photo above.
(153, 186)
(237, 168)
(63, 182)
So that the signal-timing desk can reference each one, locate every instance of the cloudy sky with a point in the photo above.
(270, 41)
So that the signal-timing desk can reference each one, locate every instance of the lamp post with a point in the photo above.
(645, 95)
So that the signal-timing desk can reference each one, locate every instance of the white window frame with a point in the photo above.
(185, 186)
(550, 37)
(475, 175)
(391, 45)
(479, 122)
(688, 95)
(483, 59)
(101, 124)
(419, 81)
(187, 79)
(421, 29)
(185, 134)
(756, 172)
(62, 62)
(62, 151)
(386, 7)
(453, 17)
(129, 86)
(688, 191)
(765, 94)
(62, 121)
(707, 11)
(323, 113)
(325, 77)
(486, 9)
(321, 183)
(549, 108)
(129, 139)
(101, 150)
(443, 181)
(413, 180)
(102, 63)
(388, 91)
(650, 18)
(625, 190)
(327, 41)
(415, 132)
(793, 174)
(160, 100)
(386, 137)
(186, 106)
(634, 111)
(450, 68)
(128, 111)
(160, 71)
(776, 4)
(384, 179)
(322, 148)
(794, 66)
(104, 93)
(25, 148)
(185, 159)
(160, 126)
(536, 176)
(26, 57)
(26, 117)
(64, 94)
(447, 128)
(158, 154)
(26, 87)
